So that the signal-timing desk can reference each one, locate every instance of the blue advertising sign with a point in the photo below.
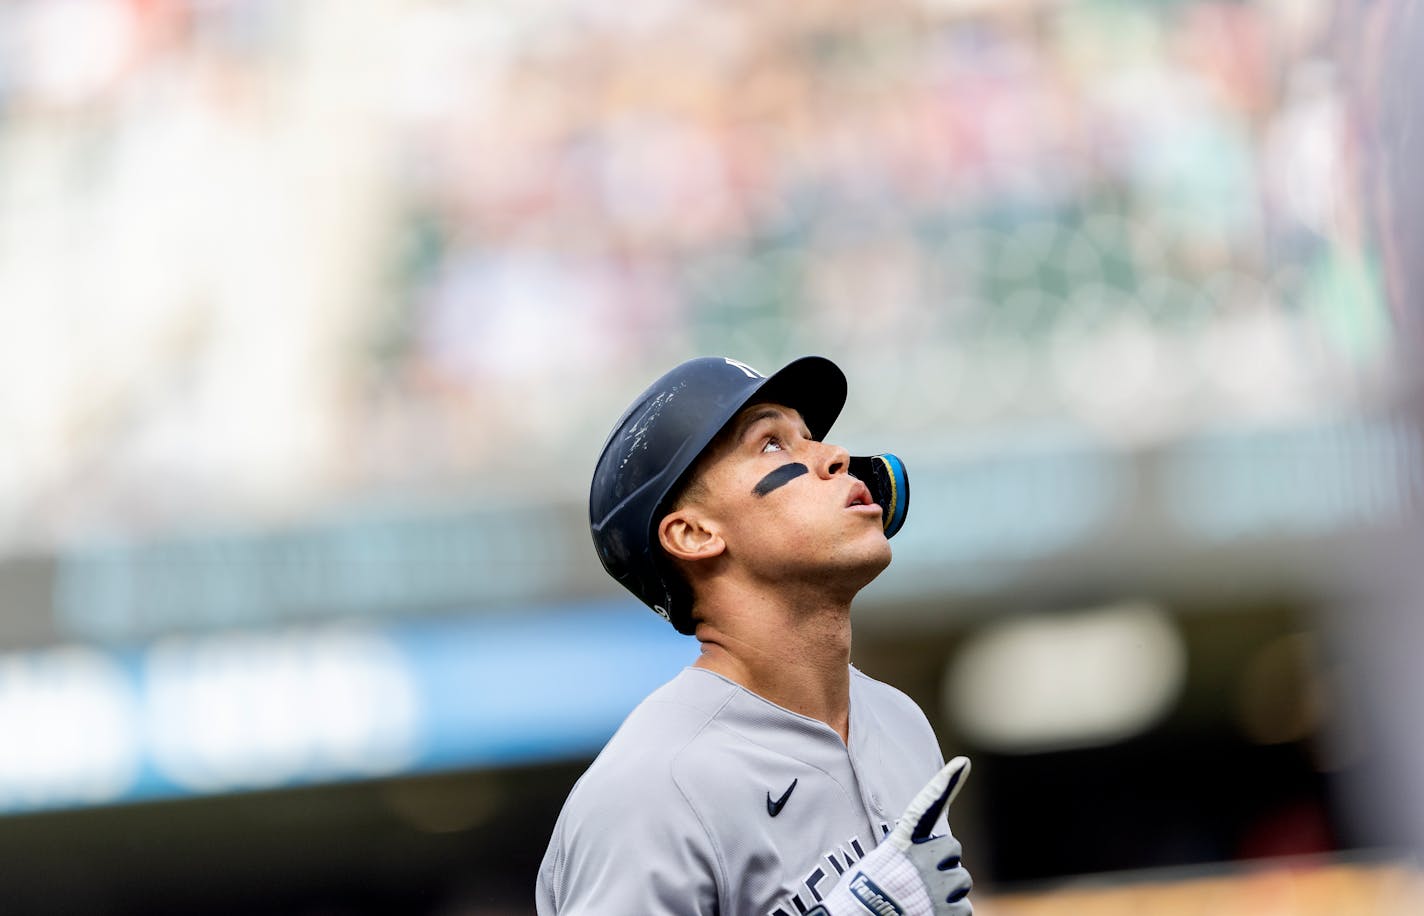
(243, 710)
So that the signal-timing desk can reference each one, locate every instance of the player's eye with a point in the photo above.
(773, 444)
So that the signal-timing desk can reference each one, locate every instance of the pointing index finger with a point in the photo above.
(918, 821)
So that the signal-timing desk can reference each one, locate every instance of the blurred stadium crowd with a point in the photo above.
(317, 312)
(335, 248)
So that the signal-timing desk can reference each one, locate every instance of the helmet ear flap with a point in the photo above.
(678, 608)
(889, 486)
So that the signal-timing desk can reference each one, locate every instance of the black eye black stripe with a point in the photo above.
(780, 476)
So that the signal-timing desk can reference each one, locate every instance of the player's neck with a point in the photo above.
(795, 657)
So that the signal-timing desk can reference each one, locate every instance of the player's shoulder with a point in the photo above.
(892, 710)
(627, 818)
(882, 696)
(640, 760)
(671, 716)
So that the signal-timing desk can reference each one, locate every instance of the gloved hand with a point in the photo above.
(911, 873)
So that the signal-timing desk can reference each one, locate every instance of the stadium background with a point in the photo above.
(313, 316)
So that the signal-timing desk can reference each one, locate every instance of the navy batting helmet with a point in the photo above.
(654, 444)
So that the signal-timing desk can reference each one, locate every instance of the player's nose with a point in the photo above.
(832, 460)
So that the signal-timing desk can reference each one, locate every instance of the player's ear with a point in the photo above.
(686, 534)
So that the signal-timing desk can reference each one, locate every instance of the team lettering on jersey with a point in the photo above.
(820, 879)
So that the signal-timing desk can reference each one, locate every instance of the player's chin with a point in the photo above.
(870, 532)
(882, 554)
(871, 552)
(853, 566)
(865, 572)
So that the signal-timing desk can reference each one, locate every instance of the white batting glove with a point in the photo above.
(911, 873)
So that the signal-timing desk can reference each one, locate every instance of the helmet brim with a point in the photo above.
(812, 385)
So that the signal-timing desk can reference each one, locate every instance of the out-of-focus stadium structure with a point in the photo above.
(315, 315)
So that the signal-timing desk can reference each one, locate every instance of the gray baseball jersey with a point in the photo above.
(712, 800)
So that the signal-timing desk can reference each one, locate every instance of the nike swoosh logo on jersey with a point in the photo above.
(774, 807)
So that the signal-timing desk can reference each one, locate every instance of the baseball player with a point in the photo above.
(765, 779)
